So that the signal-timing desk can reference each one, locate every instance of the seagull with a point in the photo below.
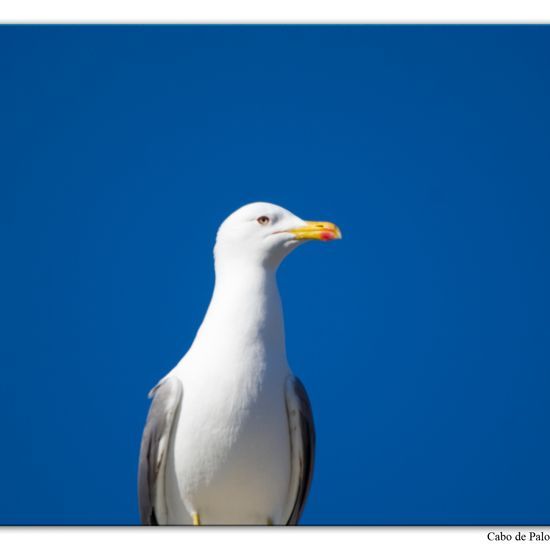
(229, 437)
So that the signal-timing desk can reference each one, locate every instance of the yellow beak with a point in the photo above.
(321, 231)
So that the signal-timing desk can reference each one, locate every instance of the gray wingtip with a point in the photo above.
(160, 420)
(307, 437)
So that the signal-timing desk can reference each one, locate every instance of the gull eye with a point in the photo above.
(263, 220)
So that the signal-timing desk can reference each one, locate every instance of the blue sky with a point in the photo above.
(426, 348)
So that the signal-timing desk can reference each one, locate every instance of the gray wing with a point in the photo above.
(302, 447)
(154, 446)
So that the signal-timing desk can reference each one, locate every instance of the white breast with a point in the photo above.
(230, 459)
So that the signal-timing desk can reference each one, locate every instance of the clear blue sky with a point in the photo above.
(423, 337)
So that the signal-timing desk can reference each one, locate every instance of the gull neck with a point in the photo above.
(245, 317)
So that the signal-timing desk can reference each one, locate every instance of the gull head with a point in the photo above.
(262, 234)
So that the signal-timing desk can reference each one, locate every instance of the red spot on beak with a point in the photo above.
(327, 236)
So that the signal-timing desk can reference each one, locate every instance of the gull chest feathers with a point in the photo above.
(229, 438)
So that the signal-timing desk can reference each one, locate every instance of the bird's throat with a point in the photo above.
(244, 320)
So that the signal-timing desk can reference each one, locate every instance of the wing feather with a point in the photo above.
(302, 443)
(156, 438)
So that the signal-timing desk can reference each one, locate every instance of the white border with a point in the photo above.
(266, 538)
(282, 11)
(275, 11)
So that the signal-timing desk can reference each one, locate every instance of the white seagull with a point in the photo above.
(229, 437)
